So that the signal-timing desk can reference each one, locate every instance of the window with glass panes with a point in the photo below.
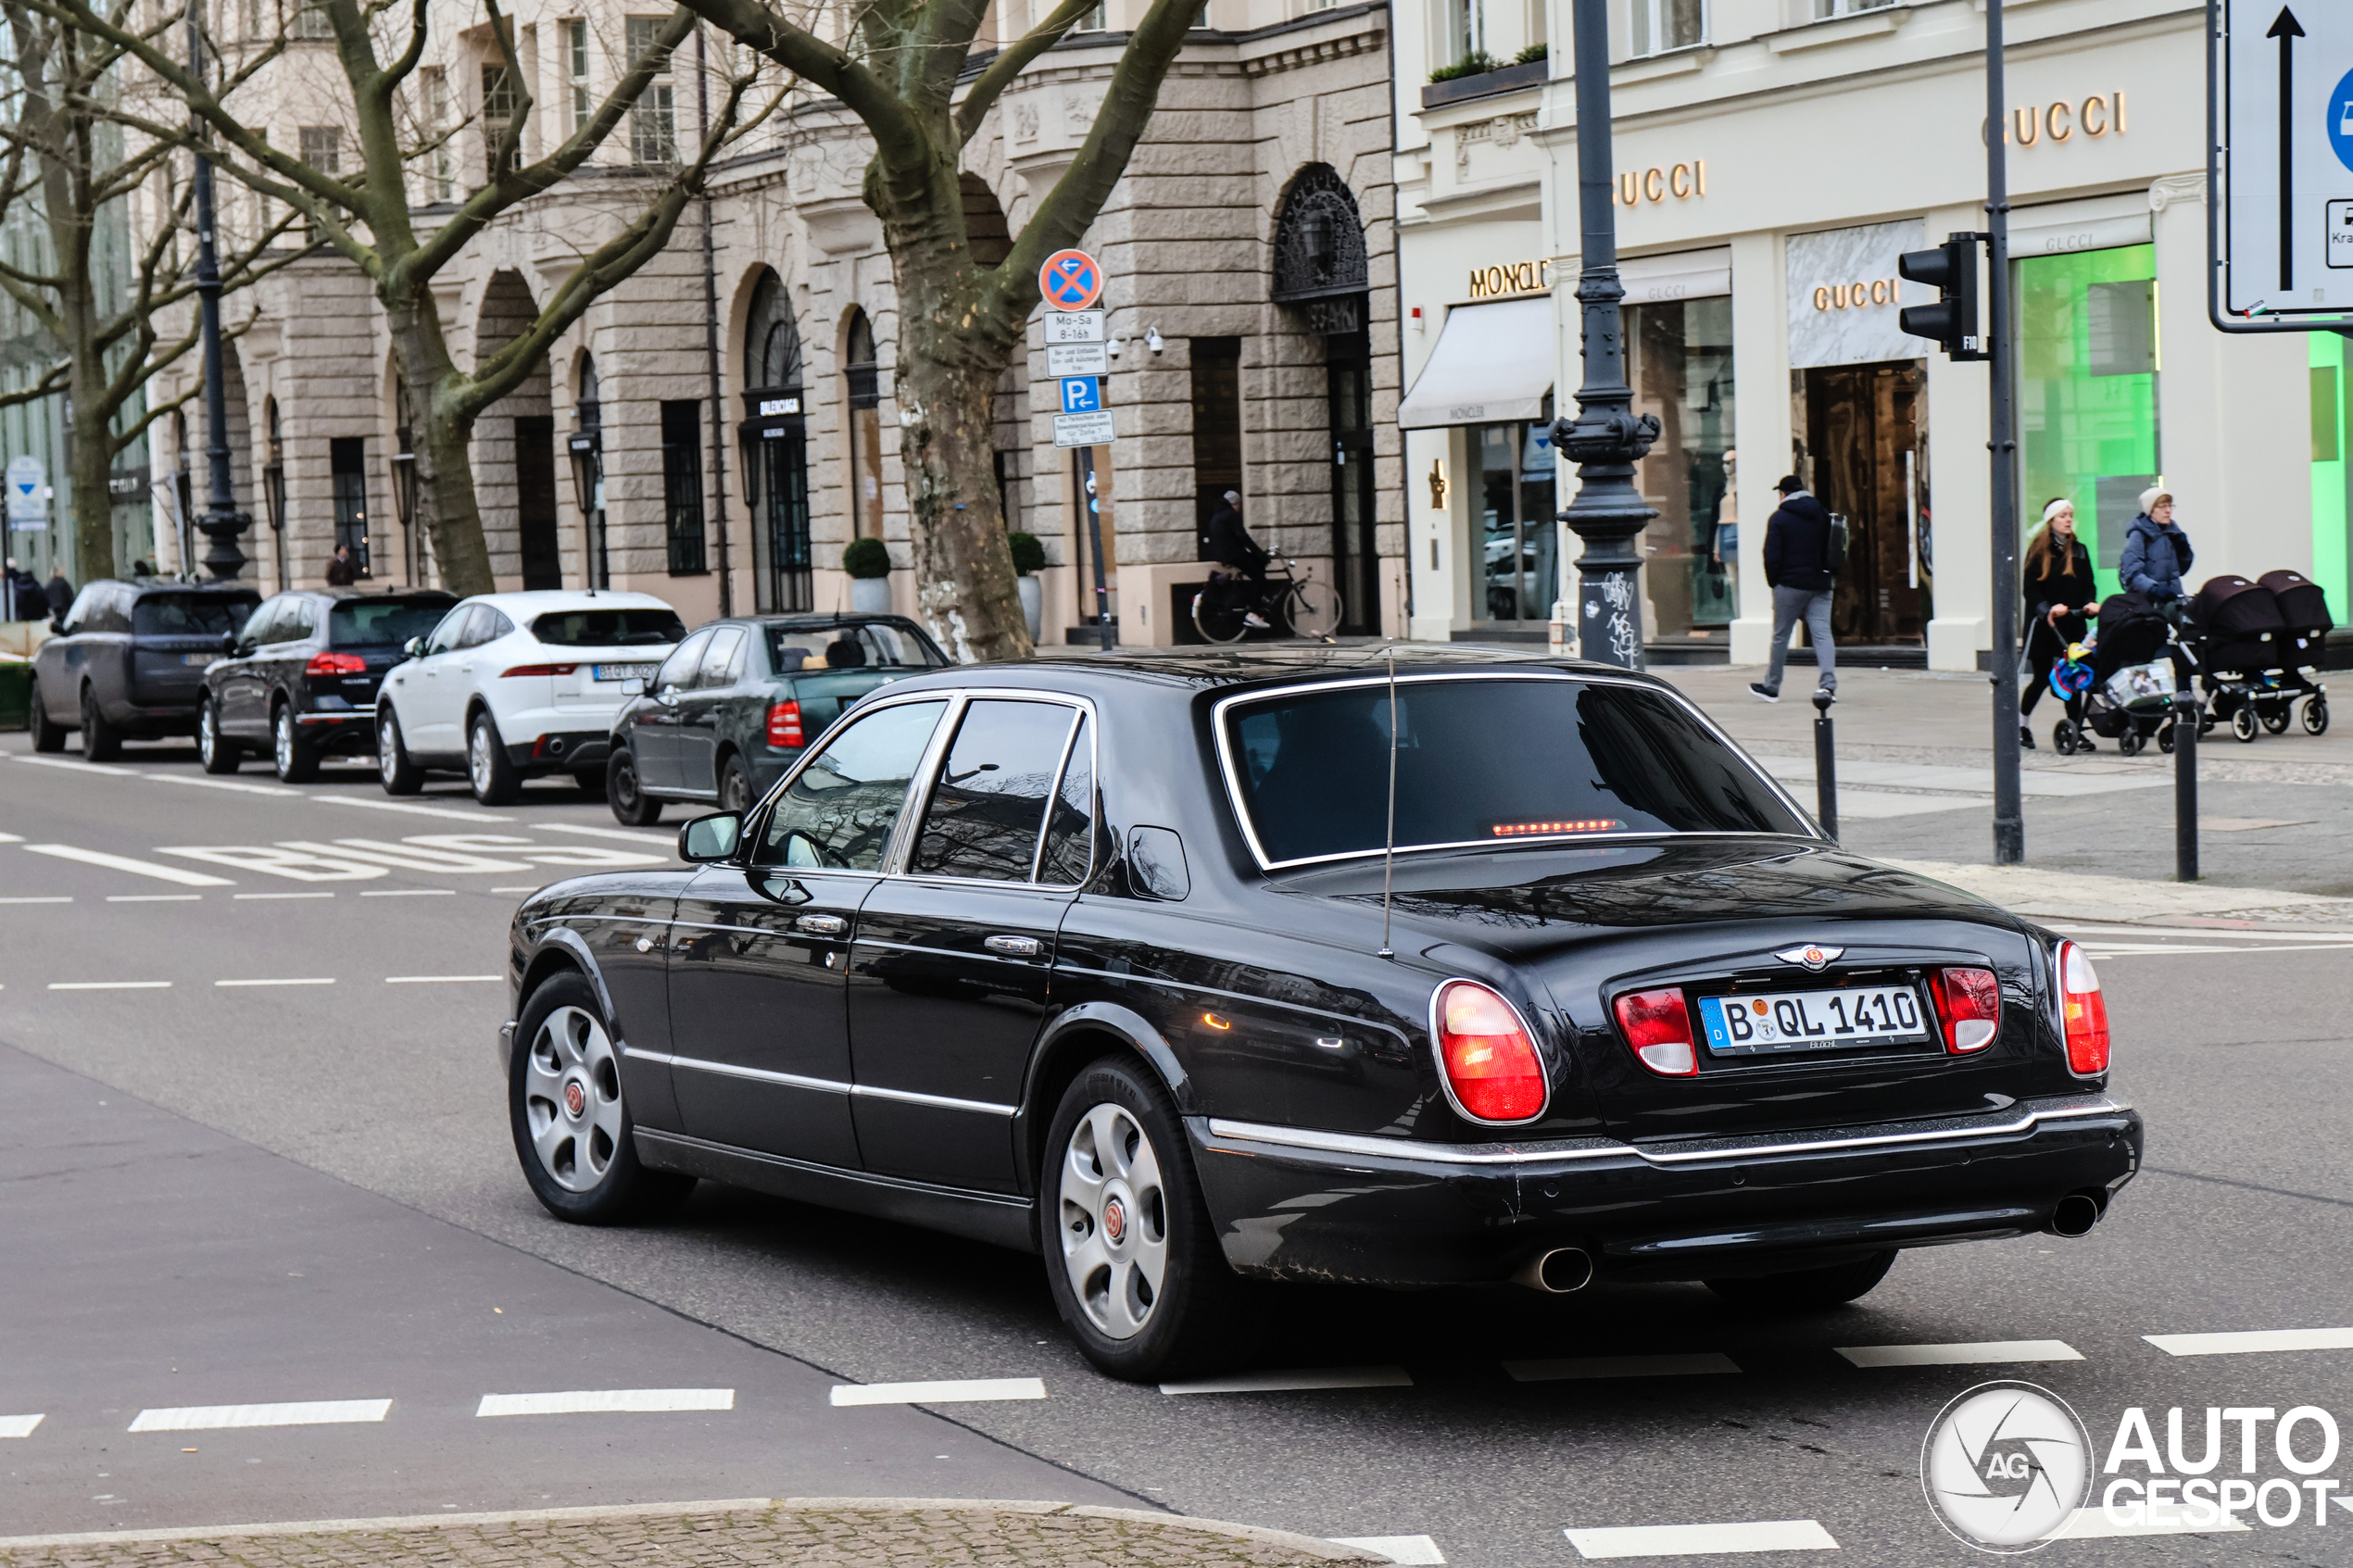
(682, 484)
(498, 112)
(653, 121)
(2087, 371)
(576, 69)
(1661, 25)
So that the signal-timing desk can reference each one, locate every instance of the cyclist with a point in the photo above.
(1231, 546)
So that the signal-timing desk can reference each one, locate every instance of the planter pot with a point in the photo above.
(869, 595)
(1031, 602)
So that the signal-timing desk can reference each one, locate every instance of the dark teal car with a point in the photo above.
(735, 704)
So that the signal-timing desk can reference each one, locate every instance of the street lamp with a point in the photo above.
(273, 492)
(589, 488)
(404, 502)
(1606, 438)
(223, 521)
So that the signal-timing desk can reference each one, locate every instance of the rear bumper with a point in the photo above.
(1307, 1205)
(561, 751)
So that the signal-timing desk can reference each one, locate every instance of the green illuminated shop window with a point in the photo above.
(2332, 468)
(2087, 391)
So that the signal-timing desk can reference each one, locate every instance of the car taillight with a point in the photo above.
(1490, 1063)
(335, 664)
(539, 670)
(1658, 1025)
(783, 724)
(1968, 1003)
(2082, 1010)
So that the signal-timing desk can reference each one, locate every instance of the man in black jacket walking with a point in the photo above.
(1797, 565)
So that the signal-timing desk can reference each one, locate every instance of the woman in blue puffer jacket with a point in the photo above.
(2157, 553)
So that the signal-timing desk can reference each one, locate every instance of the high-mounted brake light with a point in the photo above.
(783, 724)
(1490, 1064)
(539, 670)
(1658, 1025)
(335, 664)
(1968, 1003)
(2082, 1012)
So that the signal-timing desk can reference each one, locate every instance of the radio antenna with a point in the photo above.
(1389, 839)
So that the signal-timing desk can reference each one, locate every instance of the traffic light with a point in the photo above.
(1951, 269)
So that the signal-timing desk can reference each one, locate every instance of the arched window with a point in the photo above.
(592, 413)
(861, 380)
(774, 435)
(771, 344)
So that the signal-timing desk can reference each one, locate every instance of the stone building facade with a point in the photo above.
(1269, 110)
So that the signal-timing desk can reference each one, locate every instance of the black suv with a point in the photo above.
(300, 677)
(128, 662)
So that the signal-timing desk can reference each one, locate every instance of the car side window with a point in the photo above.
(840, 809)
(447, 635)
(1070, 827)
(113, 611)
(257, 630)
(487, 626)
(724, 659)
(988, 805)
(296, 621)
(677, 671)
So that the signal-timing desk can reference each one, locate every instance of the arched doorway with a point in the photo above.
(775, 436)
(1322, 273)
(515, 445)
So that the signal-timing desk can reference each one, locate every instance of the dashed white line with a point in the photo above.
(219, 783)
(533, 889)
(213, 1418)
(110, 984)
(2093, 1525)
(18, 1425)
(1985, 1353)
(322, 982)
(440, 979)
(1695, 1363)
(665, 840)
(260, 895)
(1695, 1540)
(965, 1391)
(2259, 1342)
(1411, 1549)
(1301, 1378)
(408, 893)
(52, 899)
(588, 1401)
(413, 810)
(125, 864)
(155, 898)
(9, 838)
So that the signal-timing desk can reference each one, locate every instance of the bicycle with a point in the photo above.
(1300, 605)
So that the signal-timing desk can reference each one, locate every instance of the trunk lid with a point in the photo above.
(169, 670)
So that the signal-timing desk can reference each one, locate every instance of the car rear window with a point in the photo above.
(618, 628)
(189, 615)
(383, 622)
(873, 645)
(1485, 762)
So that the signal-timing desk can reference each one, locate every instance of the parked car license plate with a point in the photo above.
(198, 660)
(1811, 1020)
(622, 671)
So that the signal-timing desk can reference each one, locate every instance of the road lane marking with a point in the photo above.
(412, 809)
(1412, 1549)
(1295, 1379)
(665, 840)
(9, 838)
(2256, 1343)
(296, 865)
(964, 1391)
(48, 901)
(18, 1425)
(213, 1418)
(1695, 1541)
(408, 893)
(410, 855)
(2101, 952)
(518, 889)
(440, 979)
(219, 783)
(282, 895)
(137, 868)
(110, 984)
(1576, 1367)
(585, 1401)
(325, 982)
(155, 898)
(2093, 1525)
(1983, 1353)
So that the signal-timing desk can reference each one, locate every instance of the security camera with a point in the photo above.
(1153, 341)
(1111, 349)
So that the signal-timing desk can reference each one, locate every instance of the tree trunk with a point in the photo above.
(90, 467)
(444, 478)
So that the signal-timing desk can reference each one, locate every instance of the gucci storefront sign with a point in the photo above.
(1844, 294)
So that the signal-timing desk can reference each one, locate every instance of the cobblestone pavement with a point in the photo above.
(824, 1532)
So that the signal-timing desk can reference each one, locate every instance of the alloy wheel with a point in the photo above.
(478, 759)
(1113, 1220)
(571, 1097)
(281, 742)
(387, 752)
(207, 735)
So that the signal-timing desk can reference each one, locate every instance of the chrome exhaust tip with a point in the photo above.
(2074, 1216)
(1558, 1272)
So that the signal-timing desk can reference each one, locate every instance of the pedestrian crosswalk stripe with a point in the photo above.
(18, 1425)
(1696, 1540)
(966, 1391)
(214, 1418)
(584, 1401)
(1985, 1353)
(2253, 1343)
(1410, 1549)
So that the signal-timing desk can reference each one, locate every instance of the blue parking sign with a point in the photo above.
(1081, 395)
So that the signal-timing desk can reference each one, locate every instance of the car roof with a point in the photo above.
(1230, 670)
(163, 585)
(811, 622)
(340, 594)
(539, 601)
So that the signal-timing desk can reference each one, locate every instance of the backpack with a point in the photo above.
(1834, 547)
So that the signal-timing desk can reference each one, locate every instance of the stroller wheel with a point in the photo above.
(2066, 739)
(2275, 719)
(2316, 715)
(2129, 743)
(2165, 740)
(2243, 724)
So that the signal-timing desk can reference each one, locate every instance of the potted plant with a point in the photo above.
(1029, 559)
(868, 563)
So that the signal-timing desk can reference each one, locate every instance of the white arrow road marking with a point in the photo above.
(213, 1418)
(966, 1391)
(136, 868)
(584, 1401)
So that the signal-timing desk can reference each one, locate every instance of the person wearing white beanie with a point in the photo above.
(2157, 553)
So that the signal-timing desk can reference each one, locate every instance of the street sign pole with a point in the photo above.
(1095, 546)
(2009, 815)
(1071, 283)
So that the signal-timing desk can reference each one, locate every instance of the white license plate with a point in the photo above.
(622, 672)
(1811, 1020)
(198, 659)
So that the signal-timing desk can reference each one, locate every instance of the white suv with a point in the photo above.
(512, 685)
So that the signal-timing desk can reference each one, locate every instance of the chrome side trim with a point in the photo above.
(1602, 1148)
(942, 1102)
(826, 1085)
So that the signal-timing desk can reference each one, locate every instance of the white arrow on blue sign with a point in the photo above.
(1081, 395)
(28, 484)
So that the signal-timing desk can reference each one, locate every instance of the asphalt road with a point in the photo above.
(246, 1195)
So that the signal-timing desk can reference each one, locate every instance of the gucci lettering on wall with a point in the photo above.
(1844, 294)
(1856, 296)
(1511, 277)
(1680, 182)
(2102, 114)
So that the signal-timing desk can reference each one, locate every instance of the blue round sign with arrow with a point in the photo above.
(2340, 109)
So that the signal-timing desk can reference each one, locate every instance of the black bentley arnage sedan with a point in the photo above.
(1176, 969)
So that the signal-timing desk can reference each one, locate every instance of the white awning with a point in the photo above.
(1492, 363)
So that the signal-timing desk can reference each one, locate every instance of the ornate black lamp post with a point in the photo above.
(1605, 439)
(221, 522)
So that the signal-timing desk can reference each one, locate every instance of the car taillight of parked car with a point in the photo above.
(1658, 1025)
(2082, 1012)
(335, 664)
(537, 670)
(783, 724)
(1489, 1062)
(1969, 1005)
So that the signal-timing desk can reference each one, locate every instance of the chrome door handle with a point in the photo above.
(1013, 946)
(821, 925)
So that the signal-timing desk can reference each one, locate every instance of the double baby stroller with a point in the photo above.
(2254, 643)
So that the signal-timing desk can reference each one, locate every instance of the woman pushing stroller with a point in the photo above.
(2059, 600)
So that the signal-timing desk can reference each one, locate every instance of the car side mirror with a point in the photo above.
(1156, 864)
(710, 838)
(229, 643)
(414, 648)
(57, 624)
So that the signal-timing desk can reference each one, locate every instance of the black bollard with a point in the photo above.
(2185, 723)
(1825, 766)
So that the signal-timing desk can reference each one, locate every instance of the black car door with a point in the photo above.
(759, 951)
(698, 714)
(242, 688)
(949, 976)
(653, 724)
